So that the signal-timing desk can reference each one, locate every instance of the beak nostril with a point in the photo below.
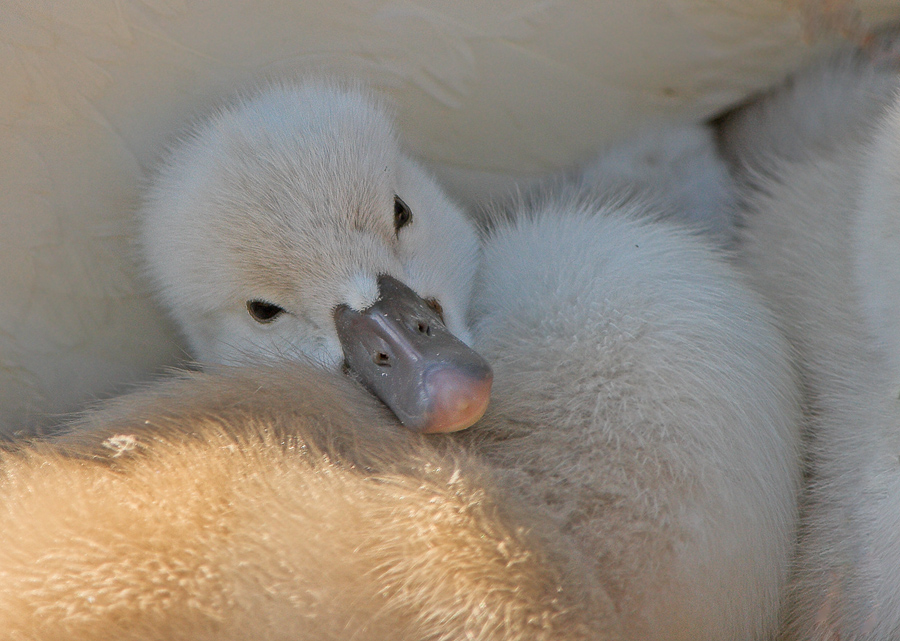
(424, 328)
(382, 359)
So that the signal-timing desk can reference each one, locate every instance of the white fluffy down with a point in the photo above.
(820, 159)
(649, 407)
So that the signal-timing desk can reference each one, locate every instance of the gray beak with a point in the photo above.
(401, 350)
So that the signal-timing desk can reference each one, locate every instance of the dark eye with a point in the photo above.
(402, 214)
(263, 312)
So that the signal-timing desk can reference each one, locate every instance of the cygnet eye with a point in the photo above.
(402, 214)
(263, 312)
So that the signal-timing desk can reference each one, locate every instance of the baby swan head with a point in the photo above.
(292, 225)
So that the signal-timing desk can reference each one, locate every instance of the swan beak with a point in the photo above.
(401, 350)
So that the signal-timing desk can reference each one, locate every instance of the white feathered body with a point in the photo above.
(821, 239)
(646, 403)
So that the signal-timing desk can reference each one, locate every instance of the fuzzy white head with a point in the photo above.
(287, 204)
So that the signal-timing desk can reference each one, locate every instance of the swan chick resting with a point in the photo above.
(291, 224)
(821, 238)
(634, 476)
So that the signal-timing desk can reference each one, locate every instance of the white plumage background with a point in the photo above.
(487, 91)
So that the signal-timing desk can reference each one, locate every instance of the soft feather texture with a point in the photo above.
(635, 476)
(648, 407)
(821, 241)
(678, 170)
(268, 504)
